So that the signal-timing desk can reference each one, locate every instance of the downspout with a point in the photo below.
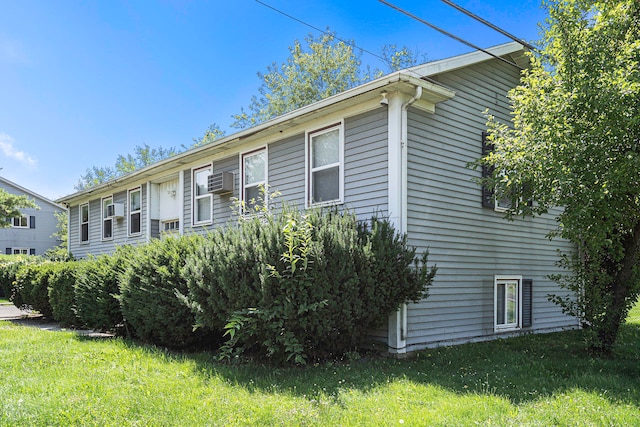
(404, 187)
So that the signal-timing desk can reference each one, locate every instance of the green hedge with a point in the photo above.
(296, 286)
(96, 290)
(148, 293)
(31, 289)
(61, 280)
(9, 265)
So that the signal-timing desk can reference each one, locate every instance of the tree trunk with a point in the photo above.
(621, 290)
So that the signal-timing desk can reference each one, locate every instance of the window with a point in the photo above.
(84, 223)
(171, 226)
(254, 175)
(135, 210)
(507, 300)
(324, 165)
(21, 221)
(107, 221)
(202, 200)
(489, 200)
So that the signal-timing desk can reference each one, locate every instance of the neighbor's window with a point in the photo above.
(202, 199)
(84, 223)
(325, 166)
(507, 298)
(254, 175)
(21, 221)
(135, 210)
(107, 221)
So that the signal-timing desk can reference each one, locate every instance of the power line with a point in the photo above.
(448, 34)
(489, 24)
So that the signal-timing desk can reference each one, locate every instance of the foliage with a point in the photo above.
(326, 66)
(9, 265)
(60, 283)
(211, 134)
(294, 286)
(574, 144)
(142, 156)
(97, 288)
(30, 290)
(10, 205)
(59, 379)
(60, 252)
(148, 292)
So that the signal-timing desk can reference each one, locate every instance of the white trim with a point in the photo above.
(309, 170)
(130, 211)
(105, 218)
(265, 182)
(194, 197)
(518, 323)
(23, 216)
(80, 223)
(20, 250)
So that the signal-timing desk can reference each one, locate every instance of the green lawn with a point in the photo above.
(3, 300)
(60, 379)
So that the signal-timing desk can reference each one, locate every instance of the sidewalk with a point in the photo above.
(9, 312)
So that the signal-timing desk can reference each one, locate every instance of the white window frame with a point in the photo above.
(195, 197)
(133, 212)
(244, 185)
(504, 280)
(310, 170)
(81, 223)
(170, 226)
(20, 251)
(20, 220)
(106, 219)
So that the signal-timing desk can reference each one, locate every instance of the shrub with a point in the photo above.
(60, 282)
(148, 292)
(31, 288)
(294, 286)
(96, 289)
(9, 265)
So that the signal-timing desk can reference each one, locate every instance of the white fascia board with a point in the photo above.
(32, 194)
(399, 80)
(461, 61)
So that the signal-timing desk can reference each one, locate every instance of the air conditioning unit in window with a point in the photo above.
(220, 183)
(115, 210)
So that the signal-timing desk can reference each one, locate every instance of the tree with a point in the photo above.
(575, 144)
(10, 205)
(212, 133)
(327, 66)
(60, 252)
(142, 156)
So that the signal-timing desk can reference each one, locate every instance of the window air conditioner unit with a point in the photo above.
(220, 183)
(115, 210)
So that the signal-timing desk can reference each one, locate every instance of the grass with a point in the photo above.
(61, 379)
(3, 301)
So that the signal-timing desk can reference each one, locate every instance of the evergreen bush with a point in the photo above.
(9, 265)
(149, 287)
(96, 290)
(31, 288)
(294, 286)
(60, 283)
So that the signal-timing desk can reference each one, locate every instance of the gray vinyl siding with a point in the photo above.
(38, 238)
(365, 163)
(223, 203)
(470, 244)
(287, 169)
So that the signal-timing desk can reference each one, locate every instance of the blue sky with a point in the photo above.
(84, 81)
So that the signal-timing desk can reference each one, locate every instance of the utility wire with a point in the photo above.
(448, 34)
(489, 24)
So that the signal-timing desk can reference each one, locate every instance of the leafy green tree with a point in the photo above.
(10, 205)
(325, 67)
(60, 252)
(212, 133)
(142, 156)
(575, 144)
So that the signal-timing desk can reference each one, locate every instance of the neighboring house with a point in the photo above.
(31, 233)
(398, 146)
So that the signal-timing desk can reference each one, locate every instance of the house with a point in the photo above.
(31, 233)
(398, 146)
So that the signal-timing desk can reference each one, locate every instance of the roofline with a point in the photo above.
(464, 60)
(412, 76)
(436, 92)
(31, 193)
